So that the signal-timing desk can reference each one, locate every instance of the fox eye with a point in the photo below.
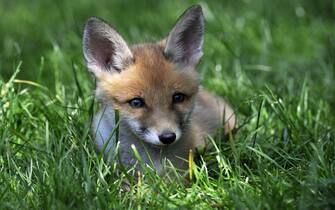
(136, 102)
(178, 98)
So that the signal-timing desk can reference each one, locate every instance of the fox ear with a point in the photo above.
(104, 49)
(184, 42)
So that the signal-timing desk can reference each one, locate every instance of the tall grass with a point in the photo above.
(274, 61)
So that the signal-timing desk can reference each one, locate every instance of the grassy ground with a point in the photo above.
(274, 61)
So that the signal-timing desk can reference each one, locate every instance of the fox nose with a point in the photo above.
(167, 137)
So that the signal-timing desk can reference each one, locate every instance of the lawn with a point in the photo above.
(273, 60)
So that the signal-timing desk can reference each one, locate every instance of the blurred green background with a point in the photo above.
(273, 42)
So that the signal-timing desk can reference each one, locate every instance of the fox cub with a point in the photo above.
(164, 112)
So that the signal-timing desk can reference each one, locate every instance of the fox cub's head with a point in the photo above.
(153, 85)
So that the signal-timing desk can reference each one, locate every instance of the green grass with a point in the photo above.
(273, 60)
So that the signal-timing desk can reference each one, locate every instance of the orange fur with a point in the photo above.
(153, 78)
(154, 73)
